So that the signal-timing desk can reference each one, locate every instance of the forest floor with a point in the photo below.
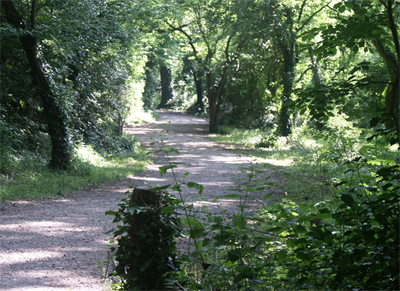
(56, 244)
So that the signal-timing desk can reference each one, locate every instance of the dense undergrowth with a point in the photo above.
(334, 227)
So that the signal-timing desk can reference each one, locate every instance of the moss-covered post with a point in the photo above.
(147, 250)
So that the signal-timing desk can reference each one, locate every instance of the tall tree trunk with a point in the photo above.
(284, 123)
(392, 61)
(317, 81)
(392, 97)
(55, 116)
(149, 85)
(166, 86)
(214, 95)
(198, 80)
(214, 107)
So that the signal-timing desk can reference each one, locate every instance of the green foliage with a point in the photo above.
(149, 97)
(227, 246)
(351, 244)
(87, 69)
(320, 229)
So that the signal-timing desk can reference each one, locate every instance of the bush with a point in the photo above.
(348, 244)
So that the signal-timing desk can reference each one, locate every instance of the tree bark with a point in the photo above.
(392, 97)
(214, 96)
(55, 117)
(285, 127)
(149, 86)
(198, 80)
(317, 81)
(214, 108)
(166, 86)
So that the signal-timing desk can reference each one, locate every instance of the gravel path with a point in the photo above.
(55, 244)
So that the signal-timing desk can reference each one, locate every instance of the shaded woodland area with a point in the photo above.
(66, 66)
(317, 79)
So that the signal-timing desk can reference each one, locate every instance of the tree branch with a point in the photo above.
(33, 13)
(393, 29)
(180, 29)
(384, 4)
(311, 16)
(12, 14)
(387, 56)
(227, 48)
(302, 74)
(301, 10)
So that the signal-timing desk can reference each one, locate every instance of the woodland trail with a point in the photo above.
(55, 244)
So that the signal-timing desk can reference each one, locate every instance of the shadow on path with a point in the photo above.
(55, 244)
(208, 163)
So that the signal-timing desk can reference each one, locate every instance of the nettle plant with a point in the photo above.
(223, 250)
(348, 244)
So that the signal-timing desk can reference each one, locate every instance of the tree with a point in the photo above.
(291, 20)
(166, 85)
(149, 90)
(191, 67)
(79, 55)
(89, 44)
(216, 33)
(54, 113)
(369, 27)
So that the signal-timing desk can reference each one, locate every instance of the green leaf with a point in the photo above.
(168, 210)
(323, 215)
(176, 188)
(374, 121)
(281, 255)
(240, 221)
(196, 228)
(164, 169)
(266, 196)
(300, 229)
(342, 9)
(197, 186)
(347, 199)
(349, 4)
(317, 233)
(274, 229)
(159, 188)
(234, 255)
(337, 5)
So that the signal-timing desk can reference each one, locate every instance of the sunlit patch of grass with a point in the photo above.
(30, 180)
(299, 182)
(139, 116)
(307, 161)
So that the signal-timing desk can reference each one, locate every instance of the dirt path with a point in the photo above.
(55, 244)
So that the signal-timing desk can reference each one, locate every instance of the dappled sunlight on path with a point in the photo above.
(208, 163)
(55, 244)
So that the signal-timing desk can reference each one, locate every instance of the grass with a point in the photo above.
(28, 177)
(306, 163)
